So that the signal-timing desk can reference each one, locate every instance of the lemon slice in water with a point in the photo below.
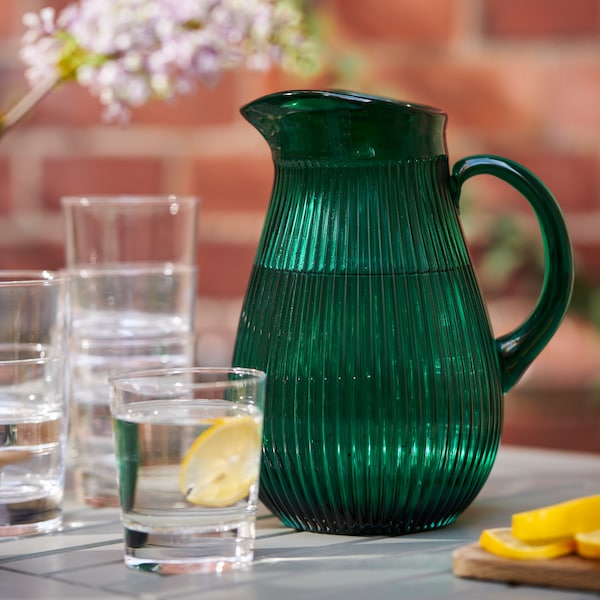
(222, 463)
(501, 542)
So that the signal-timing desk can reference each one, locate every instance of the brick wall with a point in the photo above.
(517, 78)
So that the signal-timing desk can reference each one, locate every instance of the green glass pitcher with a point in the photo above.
(385, 383)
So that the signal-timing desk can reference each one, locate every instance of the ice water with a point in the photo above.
(124, 319)
(163, 530)
(32, 445)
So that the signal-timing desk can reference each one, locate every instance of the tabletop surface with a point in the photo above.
(84, 560)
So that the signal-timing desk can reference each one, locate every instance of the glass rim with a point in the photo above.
(132, 378)
(127, 199)
(21, 277)
(35, 350)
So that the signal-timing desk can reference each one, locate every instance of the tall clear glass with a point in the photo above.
(131, 262)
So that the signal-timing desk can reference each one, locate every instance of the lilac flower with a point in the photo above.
(128, 51)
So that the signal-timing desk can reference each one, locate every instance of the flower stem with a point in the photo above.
(25, 104)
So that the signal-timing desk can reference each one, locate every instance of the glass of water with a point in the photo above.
(188, 445)
(33, 401)
(132, 271)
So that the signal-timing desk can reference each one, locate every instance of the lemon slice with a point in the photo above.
(588, 544)
(558, 520)
(501, 542)
(222, 463)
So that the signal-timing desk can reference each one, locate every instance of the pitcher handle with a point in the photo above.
(518, 348)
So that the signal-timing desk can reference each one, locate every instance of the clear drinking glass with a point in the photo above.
(33, 401)
(132, 269)
(188, 445)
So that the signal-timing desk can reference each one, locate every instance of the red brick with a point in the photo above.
(399, 21)
(99, 175)
(565, 420)
(251, 85)
(487, 96)
(57, 4)
(534, 19)
(573, 98)
(68, 104)
(233, 182)
(208, 105)
(6, 200)
(12, 87)
(9, 18)
(35, 256)
(587, 259)
(224, 269)
(571, 178)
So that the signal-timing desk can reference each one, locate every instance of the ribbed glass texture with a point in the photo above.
(384, 406)
(384, 381)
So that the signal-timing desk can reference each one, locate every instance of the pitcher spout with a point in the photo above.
(321, 124)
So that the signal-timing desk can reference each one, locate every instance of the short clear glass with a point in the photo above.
(33, 401)
(132, 270)
(188, 445)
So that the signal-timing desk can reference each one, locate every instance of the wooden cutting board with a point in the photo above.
(567, 572)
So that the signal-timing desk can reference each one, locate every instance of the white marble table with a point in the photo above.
(84, 561)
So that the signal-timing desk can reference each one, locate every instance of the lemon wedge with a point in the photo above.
(223, 463)
(588, 544)
(501, 542)
(557, 520)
